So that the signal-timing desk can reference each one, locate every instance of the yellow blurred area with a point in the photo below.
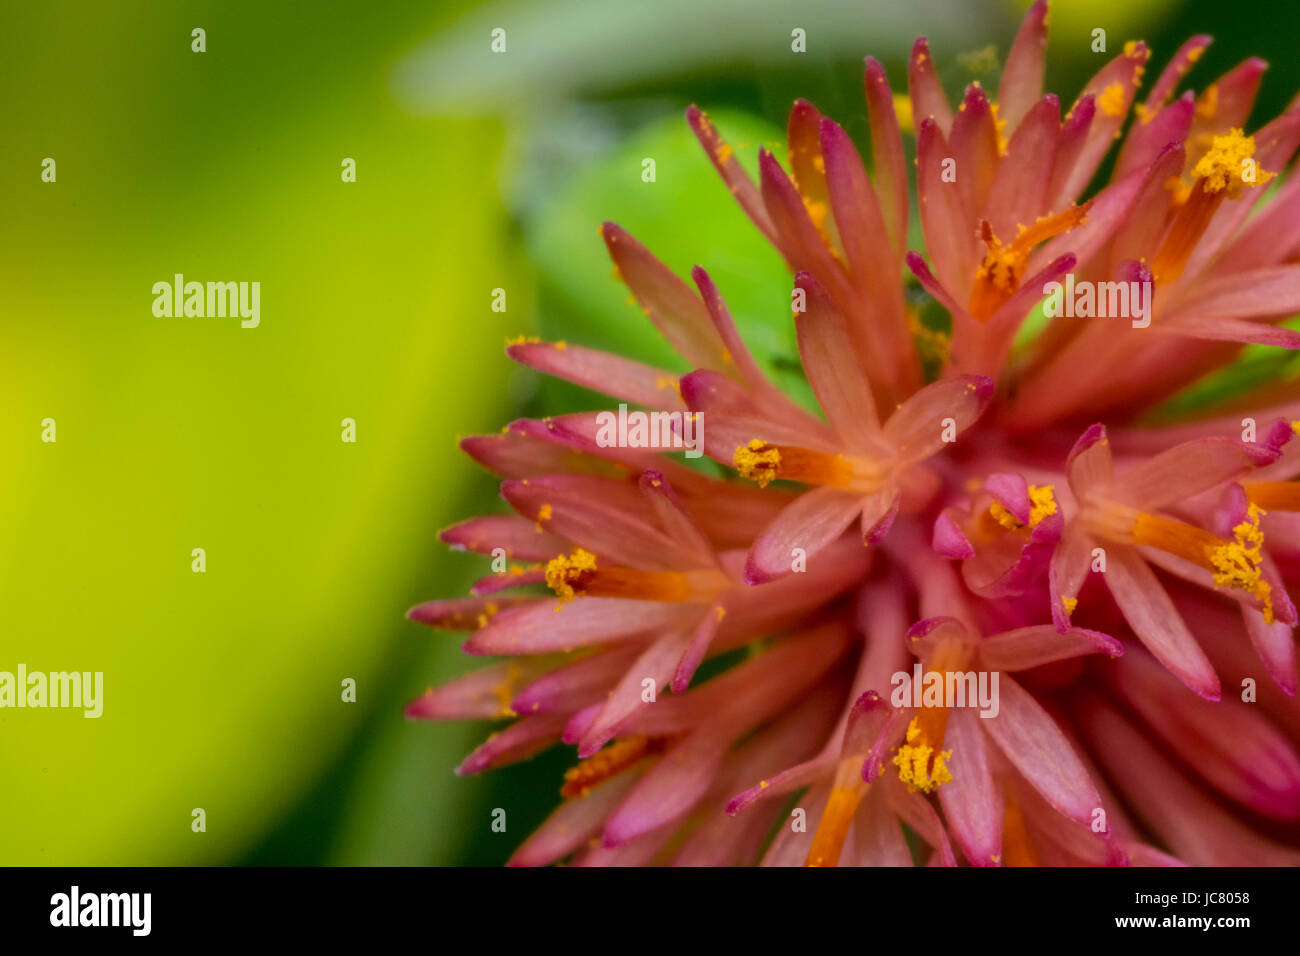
(223, 689)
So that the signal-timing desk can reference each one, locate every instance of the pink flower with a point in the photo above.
(1132, 576)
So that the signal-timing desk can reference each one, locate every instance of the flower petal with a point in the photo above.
(811, 522)
(1028, 647)
(972, 804)
(1146, 606)
(1031, 741)
(917, 427)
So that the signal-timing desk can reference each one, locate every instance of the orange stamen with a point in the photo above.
(1177, 538)
(763, 462)
(828, 841)
(1003, 267)
(1274, 495)
(1017, 847)
(608, 763)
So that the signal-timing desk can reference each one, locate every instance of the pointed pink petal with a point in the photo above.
(916, 428)
(1187, 819)
(1186, 470)
(947, 223)
(928, 101)
(575, 821)
(1028, 647)
(1070, 143)
(890, 173)
(1031, 741)
(464, 614)
(676, 311)
(580, 509)
(830, 360)
(872, 263)
(602, 372)
(1089, 464)
(732, 341)
(1146, 606)
(668, 791)
(579, 683)
(655, 664)
(948, 539)
(1022, 77)
(519, 537)
(1259, 293)
(522, 739)
(483, 694)
(676, 520)
(972, 803)
(1229, 743)
(492, 583)
(1146, 140)
(877, 837)
(1125, 70)
(814, 520)
(974, 145)
(1019, 194)
(724, 160)
(1178, 67)
(552, 625)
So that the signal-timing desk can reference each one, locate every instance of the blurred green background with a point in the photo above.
(474, 171)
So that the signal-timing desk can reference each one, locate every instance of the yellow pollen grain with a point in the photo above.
(1295, 427)
(919, 766)
(1004, 517)
(563, 571)
(816, 212)
(999, 127)
(1208, 103)
(1223, 166)
(1069, 604)
(1130, 47)
(724, 153)
(1111, 101)
(1042, 498)
(1042, 504)
(758, 461)
(599, 767)
(505, 691)
(1237, 563)
(543, 514)
(903, 110)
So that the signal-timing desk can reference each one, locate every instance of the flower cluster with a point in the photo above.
(1014, 513)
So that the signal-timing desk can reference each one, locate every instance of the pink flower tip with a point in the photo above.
(949, 540)
(929, 625)
(422, 707)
